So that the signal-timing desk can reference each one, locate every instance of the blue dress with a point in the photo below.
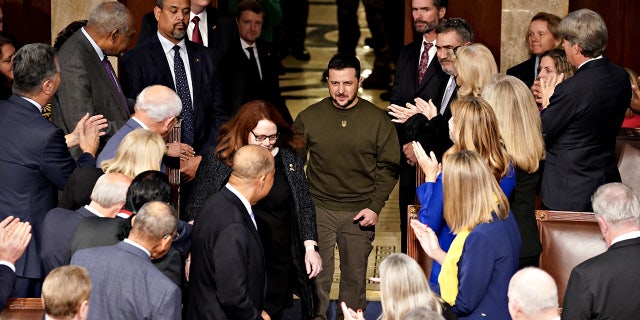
(431, 197)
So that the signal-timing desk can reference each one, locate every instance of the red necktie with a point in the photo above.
(196, 36)
(424, 61)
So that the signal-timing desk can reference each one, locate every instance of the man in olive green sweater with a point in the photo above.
(353, 164)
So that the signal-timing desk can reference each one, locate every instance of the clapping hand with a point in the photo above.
(429, 164)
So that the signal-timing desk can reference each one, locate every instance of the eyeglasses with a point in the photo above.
(261, 137)
(173, 236)
(452, 48)
(455, 22)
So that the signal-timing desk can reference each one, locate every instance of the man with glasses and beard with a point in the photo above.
(418, 75)
(170, 59)
(352, 168)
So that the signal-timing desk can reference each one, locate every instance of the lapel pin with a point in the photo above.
(291, 167)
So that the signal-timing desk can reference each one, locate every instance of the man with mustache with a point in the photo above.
(170, 59)
(418, 75)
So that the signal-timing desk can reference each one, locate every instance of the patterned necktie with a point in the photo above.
(109, 69)
(182, 88)
(196, 36)
(424, 61)
(253, 64)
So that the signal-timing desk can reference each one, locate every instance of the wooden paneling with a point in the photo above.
(138, 9)
(28, 20)
(624, 35)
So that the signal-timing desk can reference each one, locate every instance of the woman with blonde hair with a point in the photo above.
(520, 129)
(475, 65)
(484, 254)
(473, 126)
(139, 151)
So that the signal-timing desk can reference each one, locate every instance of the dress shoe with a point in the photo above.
(301, 54)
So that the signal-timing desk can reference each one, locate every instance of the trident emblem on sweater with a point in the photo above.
(344, 123)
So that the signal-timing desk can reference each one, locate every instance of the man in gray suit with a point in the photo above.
(89, 83)
(126, 285)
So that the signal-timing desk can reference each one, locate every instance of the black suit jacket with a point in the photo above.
(221, 30)
(525, 71)
(239, 86)
(227, 277)
(7, 281)
(57, 231)
(580, 126)
(605, 286)
(34, 164)
(77, 192)
(147, 64)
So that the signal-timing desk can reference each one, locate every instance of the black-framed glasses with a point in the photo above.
(261, 137)
(452, 48)
(456, 22)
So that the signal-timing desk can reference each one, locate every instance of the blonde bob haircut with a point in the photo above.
(476, 129)
(139, 151)
(470, 195)
(518, 119)
(404, 287)
(475, 65)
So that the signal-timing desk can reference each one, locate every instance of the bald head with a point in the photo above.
(159, 103)
(154, 221)
(251, 162)
(532, 291)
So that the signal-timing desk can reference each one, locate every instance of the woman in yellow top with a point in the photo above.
(484, 255)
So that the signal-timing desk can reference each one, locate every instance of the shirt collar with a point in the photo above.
(93, 44)
(167, 45)
(244, 200)
(596, 58)
(94, 211)
(246, 45)
(137, 245)
(144, 126)
(33, 102)
(626, 236)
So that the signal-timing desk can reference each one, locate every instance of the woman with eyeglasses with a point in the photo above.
(286, 217)
(541, 36)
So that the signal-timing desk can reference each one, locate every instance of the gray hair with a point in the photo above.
(587, 29)
(109, 16)
(422, 313)
(533, 290)
(33, 64)
(110, 189)
(159, 106)
(155, 220)
(616, 202)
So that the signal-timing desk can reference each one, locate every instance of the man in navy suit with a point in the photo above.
(407, 87)
(154, 62)
(227, 275)
(107, 198)
(582, 118)
(126, 285)
(606, 286)
(157, 108)
(35, 162)
(14, 238)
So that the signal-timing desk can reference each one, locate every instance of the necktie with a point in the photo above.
(196, 36)
(253, 218)
(182, 88)
(448, 92)
(109, 69)
(253, 64)
(424, 61)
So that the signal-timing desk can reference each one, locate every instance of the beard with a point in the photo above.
(427, 28)
(179, 34)
(346, 104)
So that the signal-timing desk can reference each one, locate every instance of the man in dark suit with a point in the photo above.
(157, 108)
(141, 291)
(35, 162)
(89, 83)
(196, 79)
(227, 275)
(217, 31)
(582, 118)
(430, 127)
(250, 69)
(14, 238)
(412, 81)
(606, 286)
(107, 198)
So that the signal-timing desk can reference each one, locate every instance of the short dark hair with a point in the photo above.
(67, 32)
(148, 186)
(249, 5)
(459, 25)
(33, 64)
(344, 61)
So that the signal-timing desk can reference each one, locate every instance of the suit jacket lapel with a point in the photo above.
(432, 69)
(159, 60)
